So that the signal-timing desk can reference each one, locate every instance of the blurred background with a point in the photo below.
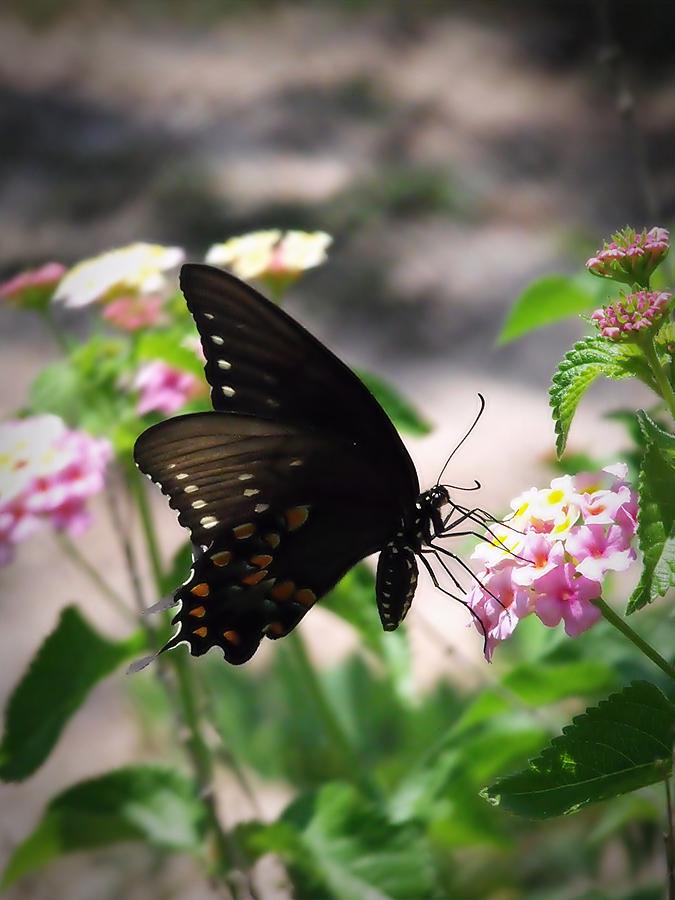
(455, 151)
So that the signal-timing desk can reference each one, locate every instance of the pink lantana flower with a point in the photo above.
(163, 388)
(552, 554)
(34, 287)
(632, 314)
(631, 256)
(133, 312)
(563, 594)
(48, 472)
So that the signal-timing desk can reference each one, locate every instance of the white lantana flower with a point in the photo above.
(138, 269)
(271, 254)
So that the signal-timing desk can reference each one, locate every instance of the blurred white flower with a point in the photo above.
(271, 254)
(136, 269)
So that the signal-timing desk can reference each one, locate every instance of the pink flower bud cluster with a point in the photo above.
(163, 388)
(34, 287)
(631, 256)
(551, 556)
(631, 314)
(47, 474)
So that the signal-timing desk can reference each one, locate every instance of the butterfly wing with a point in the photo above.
(261, 362)
(278, 514)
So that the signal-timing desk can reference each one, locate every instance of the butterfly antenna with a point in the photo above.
(473, 425)
(476, 486)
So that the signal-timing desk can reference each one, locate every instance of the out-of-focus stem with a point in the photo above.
(625, 629)
(72, 552)
(669, 840)
(660, 376)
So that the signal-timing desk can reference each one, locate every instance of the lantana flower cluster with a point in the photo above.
(551, 556)
(631, 256)
(274, 256)
(48, 472)
(163, 388)
(632, 314)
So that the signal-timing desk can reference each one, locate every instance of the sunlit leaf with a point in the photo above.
(70, 662)
(139, 803)
(624, 743)
(545, 301)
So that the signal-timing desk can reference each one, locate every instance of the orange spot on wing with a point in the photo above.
(244, 531)
(261, 560)
(283, 591)
(296, 516)
(275, 628)
(305, 596)
(198, 612)
(272, 539)
(201, 632)
(222, 558)
(254, 577)
(200, 590)
(232, 637)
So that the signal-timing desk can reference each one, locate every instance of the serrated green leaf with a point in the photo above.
(655, 434)
(656, 527)
(353, 599)
(624, 743)
(339, 846)
(545, 301)
(404, 416)
(138, 803)
(73, 657)
(587, 360)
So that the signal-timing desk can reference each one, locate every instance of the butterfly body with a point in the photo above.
(295, 476)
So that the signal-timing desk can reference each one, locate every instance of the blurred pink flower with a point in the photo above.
(632, 314)
(551, 556)
(47, 474)
(133, 312)
(163, 388)
(34, 287)
(631, 256)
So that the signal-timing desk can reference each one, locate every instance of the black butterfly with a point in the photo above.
(296, 475)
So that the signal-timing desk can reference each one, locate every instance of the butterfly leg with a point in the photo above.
(437, 585)
(438, 550)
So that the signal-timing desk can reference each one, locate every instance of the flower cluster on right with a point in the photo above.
(551, 556)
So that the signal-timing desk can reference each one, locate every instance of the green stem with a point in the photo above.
(333, 727)
(635, 638)
(148, 527)
(55, 330)
(669, 840)
(660, 376)
(71, 551)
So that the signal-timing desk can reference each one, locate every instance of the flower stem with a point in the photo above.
(148, 527)
(332, 725)
(72, 552)
(660, 376)
(669, 840)
(635, 638)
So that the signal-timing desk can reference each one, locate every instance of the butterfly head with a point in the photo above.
(437, 497)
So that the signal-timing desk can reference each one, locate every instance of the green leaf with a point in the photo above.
(339, 846)
(138, 803)
(404, 416)
(544, 302)
(168, 346)
(353, 599)
(655, 434)
(656, 526)
(72, 659)
(587, 360)
(539, 685)
(56, 390)
(624, 743)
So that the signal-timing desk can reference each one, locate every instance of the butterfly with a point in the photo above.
(296, 475)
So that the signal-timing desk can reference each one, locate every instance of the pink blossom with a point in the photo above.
(631, 256)
(164, 389)
(34, 287)
(552, 556)
(598, 550)
(632, 314)
(562, 594)
(133, 312)
(47, 474)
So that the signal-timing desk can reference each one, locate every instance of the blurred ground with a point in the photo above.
(455, 152)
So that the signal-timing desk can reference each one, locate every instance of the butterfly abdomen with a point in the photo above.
(396, 583)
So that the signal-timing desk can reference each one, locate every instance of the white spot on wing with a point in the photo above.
(208, 315)
(199, 504)
(208, 521)
(227, 390)
(182, 475)
(251, 492)
(261, 507)
(216, 338)
(190, 488)
(246, 476)
(295, 462)
(224, 364)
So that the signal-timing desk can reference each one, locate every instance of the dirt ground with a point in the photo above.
(455, 157)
